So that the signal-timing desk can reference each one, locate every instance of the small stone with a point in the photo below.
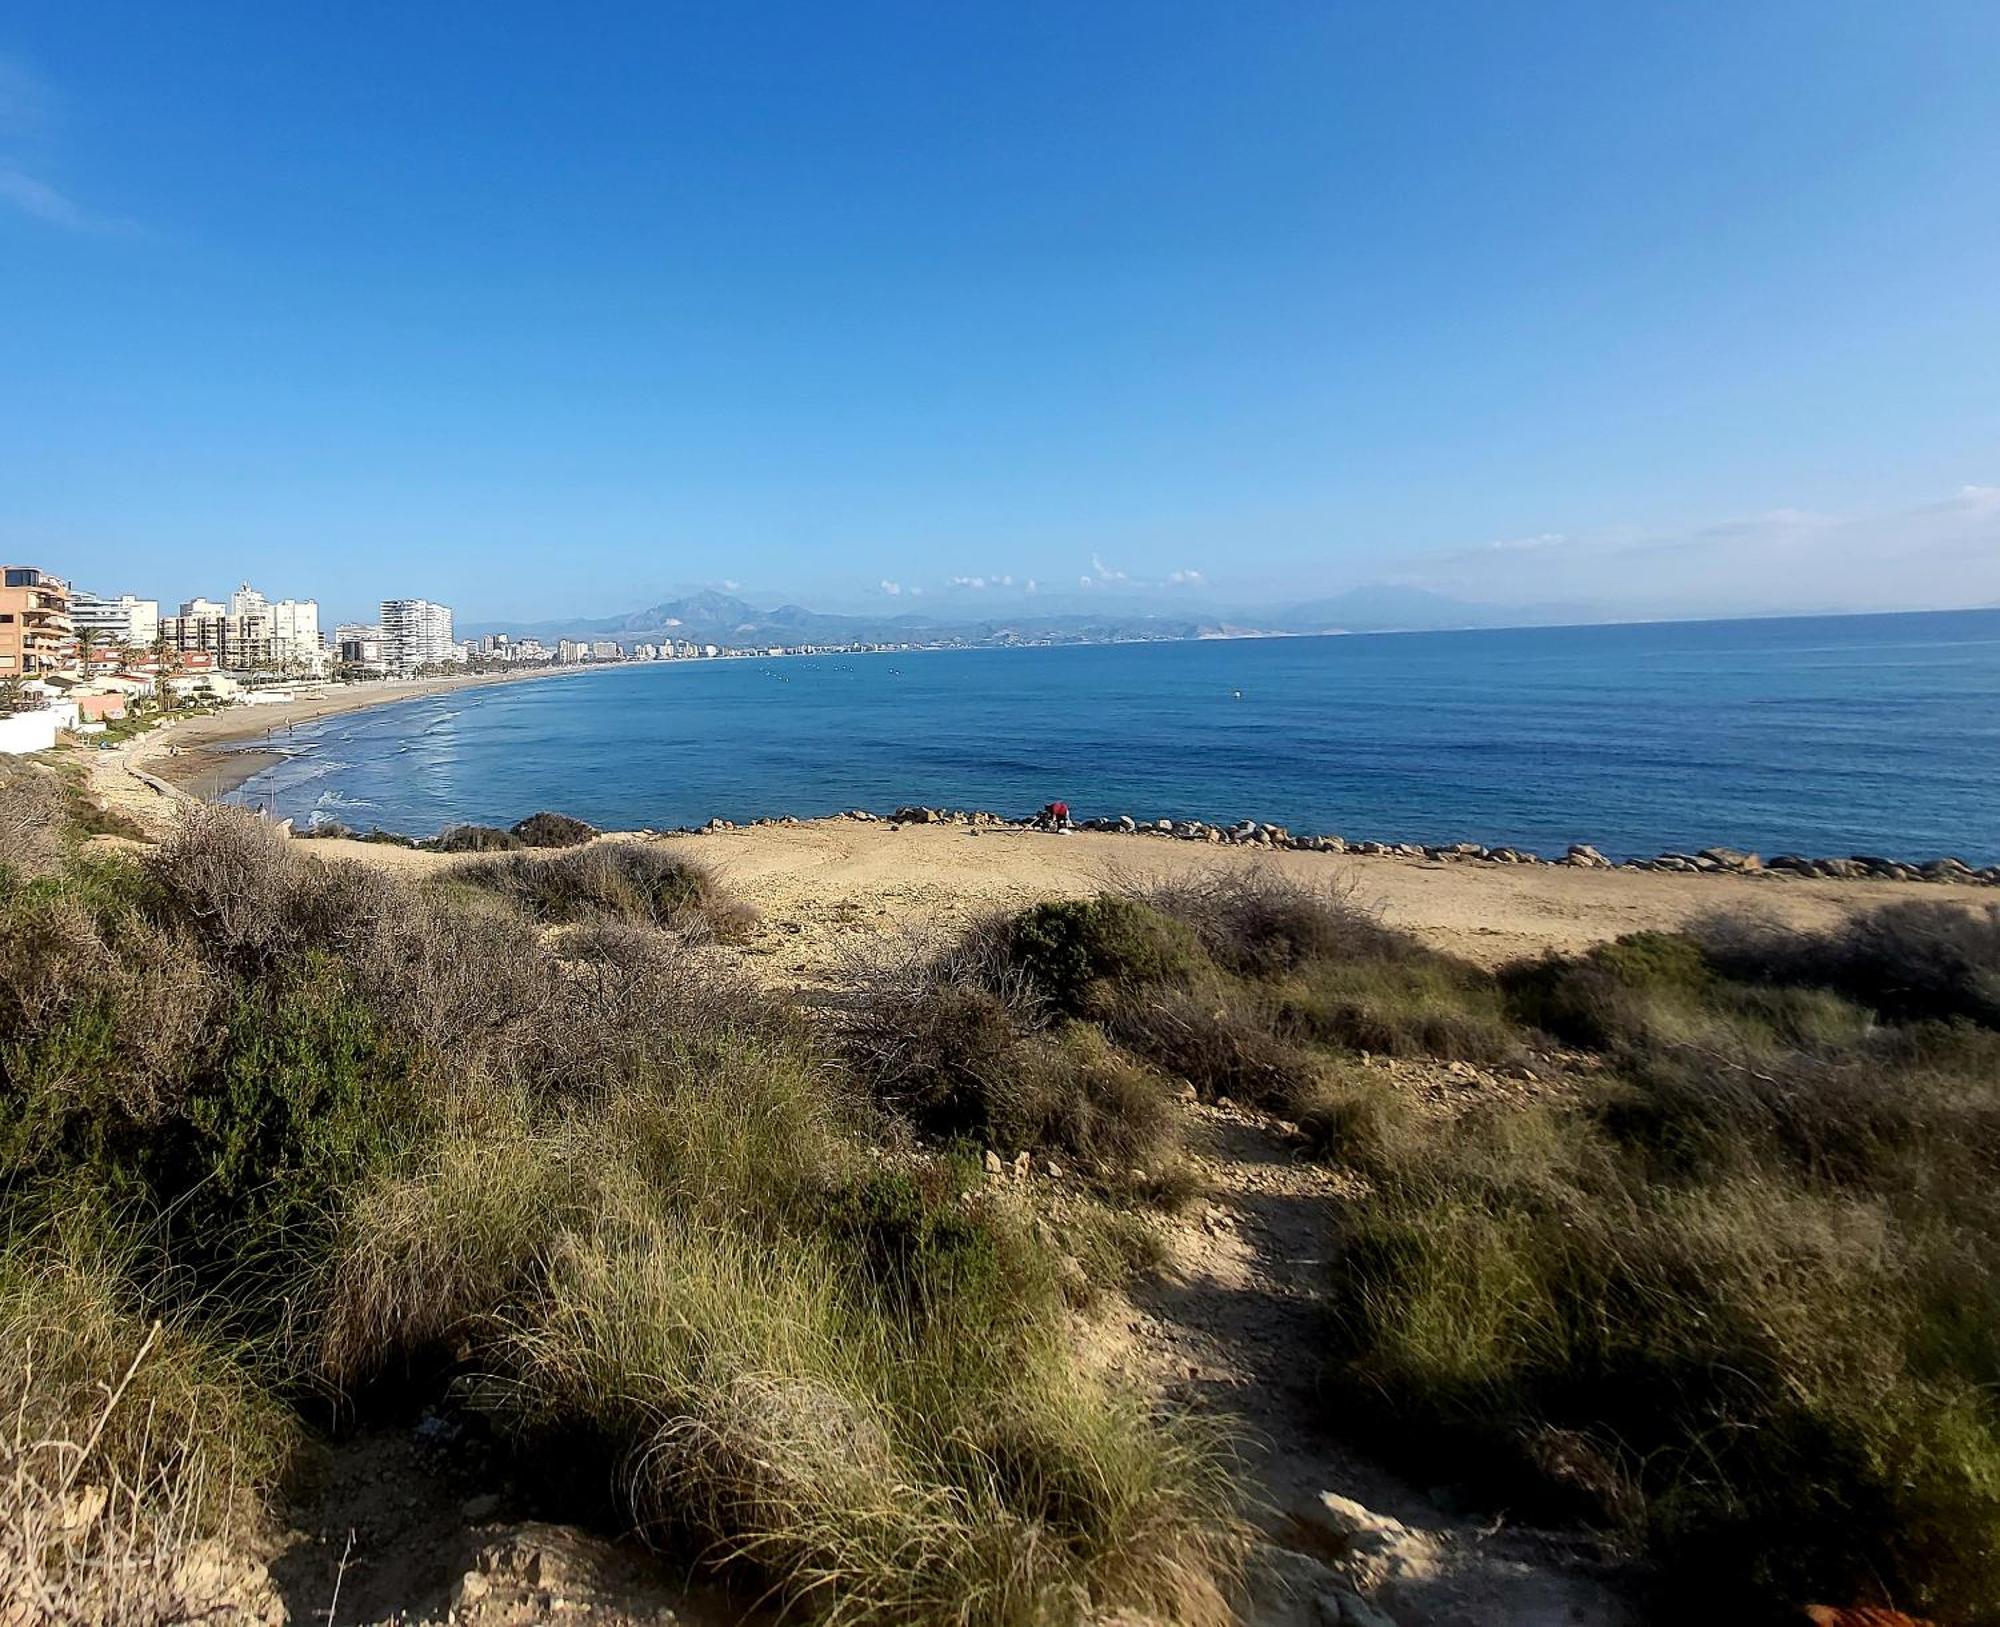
(993, 1164)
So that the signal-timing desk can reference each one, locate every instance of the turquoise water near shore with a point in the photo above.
(1820, 735)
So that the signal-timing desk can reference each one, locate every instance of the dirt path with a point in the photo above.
(1233, 1330)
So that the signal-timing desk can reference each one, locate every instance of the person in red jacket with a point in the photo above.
(1055, 816)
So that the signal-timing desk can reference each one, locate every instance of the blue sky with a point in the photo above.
(549, 309)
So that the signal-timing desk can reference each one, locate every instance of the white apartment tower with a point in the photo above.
(124, 623)
(415, 633)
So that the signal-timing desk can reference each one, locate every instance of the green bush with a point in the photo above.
(336, 1124)
(1259, 922)
(1065, 948)
(475, 839)
(1908, 961)
(1752, 1375)
(547, 829)
(1413, 1005)
(614, 881)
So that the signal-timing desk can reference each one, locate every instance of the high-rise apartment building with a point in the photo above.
(124, 623)
(35, 631)
(251, 631)
(415, 633)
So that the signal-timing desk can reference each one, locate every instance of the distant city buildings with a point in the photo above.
(250, 633)
(415, 633)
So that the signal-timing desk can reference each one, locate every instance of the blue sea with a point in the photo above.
(1825, 735)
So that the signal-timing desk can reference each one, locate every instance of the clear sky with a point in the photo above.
(549, 309)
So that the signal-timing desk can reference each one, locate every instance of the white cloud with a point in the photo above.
(916, 593)
(1928, 555)
(1031, 586)
(976, 583)
(891, 588)
(1083, 581)
(44, 202)
(1186, 578)
(1104, 572)
(730, 587)
(1003, 581)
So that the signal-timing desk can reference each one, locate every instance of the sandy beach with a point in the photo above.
(207, 755)
(828, 889)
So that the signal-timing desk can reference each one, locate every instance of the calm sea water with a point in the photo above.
(1817, 735)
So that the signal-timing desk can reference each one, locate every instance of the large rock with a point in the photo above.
(1432, 1578)
(1586, 857)
(539, 1573)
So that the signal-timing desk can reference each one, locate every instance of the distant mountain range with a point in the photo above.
(710, 617)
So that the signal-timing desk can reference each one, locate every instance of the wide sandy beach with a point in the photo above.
(209, 755)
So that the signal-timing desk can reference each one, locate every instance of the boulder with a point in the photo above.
(1127, 823)
(1586, 857)
(1729, 858)
(540, 1573)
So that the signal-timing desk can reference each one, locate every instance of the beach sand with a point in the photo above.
(206, 755)
(834, 888)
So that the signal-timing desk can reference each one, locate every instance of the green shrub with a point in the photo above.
(1415, 1005)
(940, 1045)
(309, 1095)
(1072, 1091)
(1605, 996)
(476, 839)
(1220, 1038)
(1908, 961)
(547, 829)
(1259, 922)
(615, 881)
(1064, 948)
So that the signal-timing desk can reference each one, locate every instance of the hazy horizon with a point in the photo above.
(993, 312)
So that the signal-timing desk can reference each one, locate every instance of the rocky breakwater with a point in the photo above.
(1578, 856)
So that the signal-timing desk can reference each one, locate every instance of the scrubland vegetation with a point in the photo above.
(1727, 1285)
(283, 1138)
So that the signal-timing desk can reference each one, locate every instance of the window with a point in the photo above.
(21, 578)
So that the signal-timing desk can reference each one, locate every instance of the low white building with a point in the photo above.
(35, 730)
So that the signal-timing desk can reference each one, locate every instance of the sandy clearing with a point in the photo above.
(821, 882)
(832, 887)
